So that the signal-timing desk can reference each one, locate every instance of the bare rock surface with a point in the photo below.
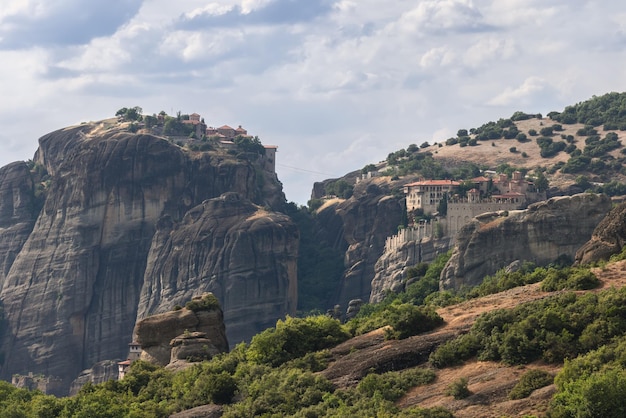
(389, 271)
(74, 256)
(608, 238)
(243, 254)
(182, 334)
(541, 234)
(359, 227)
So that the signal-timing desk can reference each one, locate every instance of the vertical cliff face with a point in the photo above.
(390, 267)
(241, 253)
(71, 294)
(360, 225)
(541, 234)
(18, 212)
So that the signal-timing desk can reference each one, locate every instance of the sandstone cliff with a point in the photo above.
(71, 280)
(390, 267)
(18, 212)
(359, 226)
(244, 255)
(162, 337)
(541, 234)
(608, 238)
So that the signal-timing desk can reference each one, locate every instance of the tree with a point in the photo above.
(130, 114)
(541, 182)
(442, 207)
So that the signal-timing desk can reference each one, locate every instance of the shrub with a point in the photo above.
(408, 320)
(207, 302)
(293, 338)
(458, 389)
(570, 279)
(530, 381)
(393, 385)
(513, 150)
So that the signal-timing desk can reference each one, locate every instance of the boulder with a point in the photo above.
(608, 238)
(169, 336)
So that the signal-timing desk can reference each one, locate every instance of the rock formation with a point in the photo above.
(359, 226)
(608, 238)
(174, 336)
(390, 267)
(72, 279)
(100, 372)
(540, 234)
(18, 212)
(243, 254)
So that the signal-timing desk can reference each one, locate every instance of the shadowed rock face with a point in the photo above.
(541, 234)
(72, 280)
(359, 226)
(245, 256)
(18, 213)
(608, 238)
(390, 267)
(156, 334)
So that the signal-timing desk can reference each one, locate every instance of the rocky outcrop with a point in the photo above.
(171, 336)
(244, 255)
(359, 226)
(542, 233)
(204, 411)
(71, 288)
(101, 372)
(390, 267)
(18, 212)
(608, 238)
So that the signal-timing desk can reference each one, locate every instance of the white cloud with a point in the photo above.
(335, 85)
(522, 93)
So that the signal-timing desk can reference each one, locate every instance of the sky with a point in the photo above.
(335, 84)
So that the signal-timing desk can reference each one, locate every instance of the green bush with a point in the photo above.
(392, 386)
(295, 337)
(458, 389)
(530, 381)
(207, 302)
(569, 279)
(408, 320)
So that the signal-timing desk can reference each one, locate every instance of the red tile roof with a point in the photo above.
(434, 183)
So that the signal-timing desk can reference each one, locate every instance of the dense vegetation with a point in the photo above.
(275, 374)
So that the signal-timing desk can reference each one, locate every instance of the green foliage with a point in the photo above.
(293, 338)
(458, 389)
(551, 329)
(391, 386)
(596, 395)
(569, 279)
(339, 188)
(407, 320)
(503, 280)
(369, 168)
(176, 127)
(320, 265)
(249, 144)
(596, 147)
(207, 302)
(530, 381)
(609, 108)
(130, 114)
(549, 148)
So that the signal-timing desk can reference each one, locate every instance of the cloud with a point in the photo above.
(62, 22)
(442, 17)
(276, 12)
(523, 93)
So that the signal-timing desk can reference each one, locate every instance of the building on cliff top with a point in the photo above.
(491, 192)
